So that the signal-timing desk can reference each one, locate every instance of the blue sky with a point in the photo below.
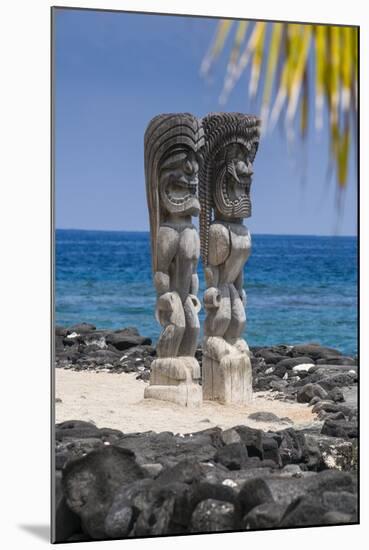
(113, 73)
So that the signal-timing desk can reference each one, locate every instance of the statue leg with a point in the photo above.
(170, 314)
(190, 337)
(218, 311)
(174, 377)
(226, 367)
(237, 325)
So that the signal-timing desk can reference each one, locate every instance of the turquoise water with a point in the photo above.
(299, 288)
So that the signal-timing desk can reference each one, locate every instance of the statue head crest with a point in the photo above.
(172, 145)
(231, 143)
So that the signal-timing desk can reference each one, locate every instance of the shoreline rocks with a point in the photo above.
(290, 373)
(281, 368)
(82, 347)
(112, 484)
(118, 485)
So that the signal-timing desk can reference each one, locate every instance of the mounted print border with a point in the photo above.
(205, 344)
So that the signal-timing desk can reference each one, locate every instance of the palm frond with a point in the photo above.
(304, 113)
(257, 61)
(298, 72)
(224, 27)
(243, 61)
(233, 58)
(320, 70)
(279, 54)
(275, 42)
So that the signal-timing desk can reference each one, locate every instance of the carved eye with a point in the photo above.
(241, 168)
(188, 167)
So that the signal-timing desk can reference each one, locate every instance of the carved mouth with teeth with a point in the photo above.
(181, 191)
(179, 183)
(232, 195)
(179, 195)
(236, 191)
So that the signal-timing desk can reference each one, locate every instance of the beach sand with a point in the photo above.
(116, 401)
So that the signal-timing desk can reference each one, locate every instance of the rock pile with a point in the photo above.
(282, 368)
(321, 377)
(111, 484)
(115, 485)
(82, 347)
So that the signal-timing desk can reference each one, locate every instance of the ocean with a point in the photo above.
(299, 288)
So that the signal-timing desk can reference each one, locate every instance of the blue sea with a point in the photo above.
(299, 288)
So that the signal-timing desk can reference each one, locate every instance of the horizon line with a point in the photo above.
(147, 231)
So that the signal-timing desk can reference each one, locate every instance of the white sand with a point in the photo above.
(116, 401)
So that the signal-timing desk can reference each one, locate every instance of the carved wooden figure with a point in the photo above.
(172, 144)
(231, 141)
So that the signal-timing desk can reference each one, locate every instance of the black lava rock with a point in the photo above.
(264, 516)
(264, 416)
(280, 370)
(233, 456)
(315, 351)
(290, 447)
(81, 328)
(61, 331)
(341, 501)
(186, 471)
(307, 392)
(338, 380)
(335, 395)
(202, 482)
(211, 516)
(269, 356)
(264, 383)
(340, 428)
(303, 512)
(89, 484)
(271, 449)
(67, 523)
(76, 429)
(337, 360)
(157, 508)
(331, 416)
(167, 449)
(253, 493)
(337, 518)
(290, 362)
(82, 347)
(253, 439)
(126, 338)
(331, 407)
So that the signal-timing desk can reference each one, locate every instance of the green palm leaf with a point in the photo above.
(279, 54)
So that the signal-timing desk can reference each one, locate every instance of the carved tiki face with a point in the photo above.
(233, 181)
(231, 142)
(172, 144)
(178, 182)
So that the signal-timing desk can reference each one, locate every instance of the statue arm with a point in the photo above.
(212, 294)
(219, 248)
(239, 281)
(167, 247)
(239, 286)
(161, 282)
(219, 244)
(194, 284)
(212, 276)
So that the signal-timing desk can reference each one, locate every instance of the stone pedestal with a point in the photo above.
(175, 379)
(228, 379)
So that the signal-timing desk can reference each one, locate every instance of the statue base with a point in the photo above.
(175, 379)
(227, 379)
